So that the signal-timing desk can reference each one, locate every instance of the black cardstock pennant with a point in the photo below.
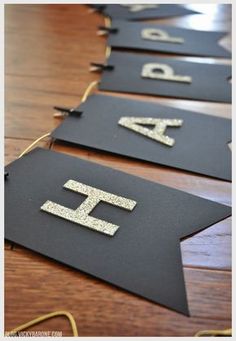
(142, 257)
(201, 142)
(142, 11)
(209, 82)
(161, 38)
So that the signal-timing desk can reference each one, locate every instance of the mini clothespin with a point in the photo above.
(96, 67)
(103, 30)
(62, 111)
(98, 8)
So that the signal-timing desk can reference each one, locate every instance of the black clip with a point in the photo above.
(106, 30)
(68, 111)
(6, 175)
(96, 67)
(99, 8)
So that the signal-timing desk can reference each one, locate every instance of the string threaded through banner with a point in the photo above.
(33, 144)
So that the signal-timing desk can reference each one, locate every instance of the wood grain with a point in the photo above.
(48, 49)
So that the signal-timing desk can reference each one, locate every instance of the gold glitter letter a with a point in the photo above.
(81, 214)
(157, 133)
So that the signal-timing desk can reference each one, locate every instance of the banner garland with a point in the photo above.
(139, 251)
(162, 38)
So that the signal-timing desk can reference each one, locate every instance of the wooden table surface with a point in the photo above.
(48, 49)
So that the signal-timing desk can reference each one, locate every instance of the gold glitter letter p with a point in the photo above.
(81, 214)
(163, 72)
(159, 35)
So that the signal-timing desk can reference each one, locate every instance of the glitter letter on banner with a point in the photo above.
(160, 35)
(157, 134)
(162, 38)
(142, 257)
(163, 71)
(81, 214)
(140, 11)
(195, 142)
(124, 73)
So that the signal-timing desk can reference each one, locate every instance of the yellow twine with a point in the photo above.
(226, 332)
(107, 52)
(32, 144)
(108, 48)
(43, 318)
(88, 90)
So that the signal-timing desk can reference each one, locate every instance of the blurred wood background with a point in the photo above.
(48, 49)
